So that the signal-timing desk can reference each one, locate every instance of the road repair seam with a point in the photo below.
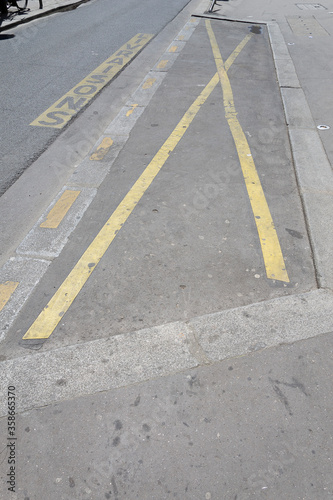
(122, 360)
(42, 245)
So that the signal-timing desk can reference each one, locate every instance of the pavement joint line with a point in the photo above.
(219, 336)
(51, 315)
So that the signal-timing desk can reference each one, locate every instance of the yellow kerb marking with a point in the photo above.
(102, 149)
(270, 246)
(129, 112)
(60, 209)
(173, 48)
(6, 291)
(148, 83)
(61, 301)
(162, 64)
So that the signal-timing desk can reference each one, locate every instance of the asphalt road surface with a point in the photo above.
(46, 58)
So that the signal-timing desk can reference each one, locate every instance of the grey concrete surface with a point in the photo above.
(231, 405)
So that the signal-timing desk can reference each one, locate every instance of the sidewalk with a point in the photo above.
(15, 17)
(229, 395)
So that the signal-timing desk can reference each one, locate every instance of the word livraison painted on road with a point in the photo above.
(67, 106)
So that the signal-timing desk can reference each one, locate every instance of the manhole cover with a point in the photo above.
(310, 6)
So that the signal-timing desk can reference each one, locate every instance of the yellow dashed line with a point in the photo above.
(6, 290)
(162, 64)
(173, 48)
(60, 209)
(270, 246)
(148, 83)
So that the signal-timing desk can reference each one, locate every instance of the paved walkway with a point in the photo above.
(231, 405)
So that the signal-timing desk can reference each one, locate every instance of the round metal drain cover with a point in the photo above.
(323, 127)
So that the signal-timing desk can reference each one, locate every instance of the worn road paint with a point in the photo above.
(6, 291)
(270, 245)
(132, 109)
(61, 301)
(162, 64)
(60, 209)
(148, 83)
(78, 97)
(173, 48)
(102, 149)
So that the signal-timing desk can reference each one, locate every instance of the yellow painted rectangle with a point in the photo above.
(67, 106)
(173, 48)
(60, 209)
(6, 291)
(162, 64)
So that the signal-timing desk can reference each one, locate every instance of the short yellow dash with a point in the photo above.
(60, 209)
(173, 48)
(181, 37)
(270, 246)
(6, 290)
(129, 112)
(102, 149)
(148, 83)
(162, 64)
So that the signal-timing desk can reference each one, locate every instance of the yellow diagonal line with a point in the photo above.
(270, 246)
(61, 301)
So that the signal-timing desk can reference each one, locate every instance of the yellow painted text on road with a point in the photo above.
(60, 209)
(102, 149)
(130, 111)
(270, 246)
(61, 301)
(65, 108)
(6, 291)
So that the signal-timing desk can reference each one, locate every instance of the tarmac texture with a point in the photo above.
(172, 336)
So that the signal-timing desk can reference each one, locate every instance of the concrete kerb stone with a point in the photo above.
(128, 359)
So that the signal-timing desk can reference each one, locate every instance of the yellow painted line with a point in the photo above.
(173, 48)
(181, 37)
(61, 301)
(269, 241)
(148, 83)
(60, 209)
(162, 64)
(6, 291)
(132, 109)
(67, 106)
(102, 149)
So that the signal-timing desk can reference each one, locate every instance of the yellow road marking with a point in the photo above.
(148, 83)
(181, 37)
(132, 109)
(67, 106)
(61, 301)
(162, 64)
(270, 246)
(173, 48)
(60, 209)
(102, 149)
(6, 291)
